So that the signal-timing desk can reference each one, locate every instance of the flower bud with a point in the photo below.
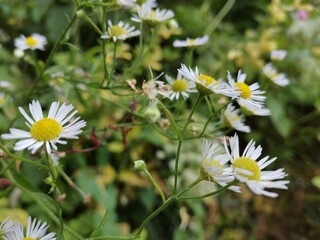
(152, 114)
(139, 165)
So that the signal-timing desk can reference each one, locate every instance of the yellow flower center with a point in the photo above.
(190, 41)
(46, 129)
(207, 80)
(244, 89)
(179, 85)
(206, 164)
(116, 31)
(28, 238)
(31, 41)
(250, 165)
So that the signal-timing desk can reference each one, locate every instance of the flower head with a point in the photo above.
(152, 16)
(205, 84)
(153, 87)
(35, 231)
(278, 78)
(249, 169)
(278, 55)
(249, 95)
(120, 31)
(234, 120)
(190, 42)
(6, 227)
(179, 87)
(35, 41)
(214, 165)
(48, 130)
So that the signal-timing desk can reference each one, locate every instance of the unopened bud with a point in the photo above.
(139, 165)
(81, 13)
(152, 114)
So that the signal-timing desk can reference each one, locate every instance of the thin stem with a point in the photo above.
(71, 183)
(170, 117)
(113, 63)
(152, 180)
(16, 157)
(164, 206)
(176, 169)
(52, 53)
(104, 52)
(223, 12)
(210, 194)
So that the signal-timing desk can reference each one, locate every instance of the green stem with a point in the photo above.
(176, 169)
(210, 194)
(95, 27)
(164, 206)
(15, 157)
(104, 52)
(170, 117)
(216, 21)
(152, 180)
(70, 182)
(111, 238)
(52, 53)
(113, 63)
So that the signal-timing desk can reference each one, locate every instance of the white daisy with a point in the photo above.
(234, 120)
(214, 165)
(126, 3)
(35, 41)
(278, 78)
(152, 16)
(6, 227)
(35, 231)
(179, 87)
(249, 95)
(278, 55)
(190, 42)
(248, 170)
(120, 31)
(46, 130)
(251, 110)
(148, 3)
(205, 84)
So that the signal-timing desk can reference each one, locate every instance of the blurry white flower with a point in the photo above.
(248, 170)
(234, 119)
(278, 78)
(278, 55)
(190, 42)
(6, 227)
(214, 165)
(152, 16)
(46, 130)
(120, 31)
(252, 110)
(35, 41)
(35, 231)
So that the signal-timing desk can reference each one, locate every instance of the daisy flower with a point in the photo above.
(214, 166)
(249, 169)
(278, 78)
(234, 120)
(251, 110)
(120, 31)
(6, 227)
(179, 87)
(126, 3)
(207, 85)
(190, 42)
(152, 16)
(46, 131)
(249, 95)
(35, 41)
(278, 55)
(35, 231)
